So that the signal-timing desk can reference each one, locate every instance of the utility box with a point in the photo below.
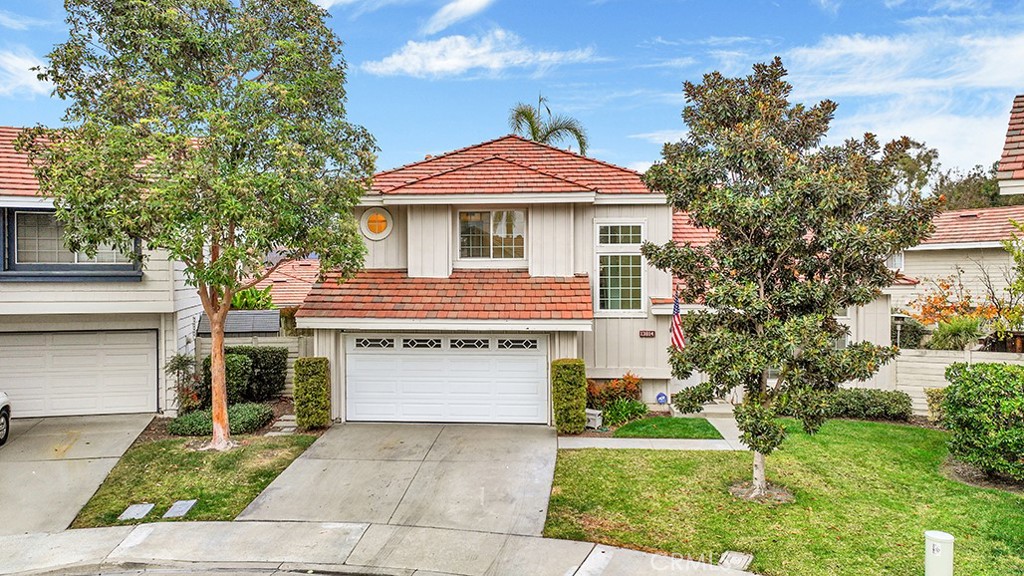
(938, 553)
(594, 419)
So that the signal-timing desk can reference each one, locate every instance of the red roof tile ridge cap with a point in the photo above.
(438, 157)
(488, 159)
(981, 211)
(579, 156)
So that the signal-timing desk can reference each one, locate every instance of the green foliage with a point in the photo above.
(856, 403)
(984, 413)
(528, 121)
(243, 418)
(976, 188)
(957, 333)
(802, 231)
(237, 370)
(910, 334)
(692, 400)
(622, 410)
(600, 394)
(181, 368)
(253, 299)
(312, 393)
(569, 395)
(269, 370)
(935, 398)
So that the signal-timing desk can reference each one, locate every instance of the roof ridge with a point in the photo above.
(575, 155)
(488, 159)
(437, 157)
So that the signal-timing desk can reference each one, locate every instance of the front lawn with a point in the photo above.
(224, 483)
(865, 494)
(668, 427)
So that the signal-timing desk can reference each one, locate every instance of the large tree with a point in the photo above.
(529, 121)
(214, 130)
(803, 232)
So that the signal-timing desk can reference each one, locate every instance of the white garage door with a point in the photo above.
(78, 373)
(447, 379)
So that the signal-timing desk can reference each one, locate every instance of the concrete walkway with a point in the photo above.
(719, 415)
(336, 548)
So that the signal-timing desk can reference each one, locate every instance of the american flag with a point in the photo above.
(678, 338)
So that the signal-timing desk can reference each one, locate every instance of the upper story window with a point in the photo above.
(895, 262)
(492, 234)
(621, 277)
(33, 249)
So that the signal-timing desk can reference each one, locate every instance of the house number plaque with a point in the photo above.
(647, 333)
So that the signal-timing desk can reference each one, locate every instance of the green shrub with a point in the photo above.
(181, 368)
(935, 398)
(253, 299)
(237, 371)
(910, 334)
(691, 400)
(858, 403)
(957, 333)
(600, 394)
(269, 370)
(242, 419)
(312, 393)
(623, 410)
(569, 388)
(984, 413)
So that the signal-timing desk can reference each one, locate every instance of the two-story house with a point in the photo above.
(81, 335)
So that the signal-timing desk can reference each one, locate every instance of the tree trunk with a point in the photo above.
(759, 487)
(219, 391)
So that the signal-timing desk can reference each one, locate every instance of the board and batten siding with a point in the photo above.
(430, 241)
(188, 309)
(931, 265)
(392, 252)
(550, 239)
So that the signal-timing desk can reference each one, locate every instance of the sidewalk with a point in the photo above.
(343, 548)
(719, 415)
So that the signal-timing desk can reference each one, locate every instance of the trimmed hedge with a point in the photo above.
(569, 390)
(237, 371)
(862, 404)
(269, 370)
(312, 393)
(983, 410)
(242, 419)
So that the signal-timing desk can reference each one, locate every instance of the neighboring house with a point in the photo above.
(1011, 165)
(291, 282)
(969, 240)
(485, 264)
(81, 335)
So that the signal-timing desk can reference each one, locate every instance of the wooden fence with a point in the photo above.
(919, 370)
(298, 347)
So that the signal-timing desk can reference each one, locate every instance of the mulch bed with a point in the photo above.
(157, 429)
(972, 476)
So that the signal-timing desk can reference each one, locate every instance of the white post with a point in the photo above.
(938, 553)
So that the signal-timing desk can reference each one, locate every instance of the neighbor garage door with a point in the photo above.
(418, 378)
(79, 373)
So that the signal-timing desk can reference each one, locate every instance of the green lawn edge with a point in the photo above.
(669, 427)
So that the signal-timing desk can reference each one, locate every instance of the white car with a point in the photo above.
(5, 418)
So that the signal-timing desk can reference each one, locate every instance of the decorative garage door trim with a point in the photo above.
(76, 373)
(447, 378)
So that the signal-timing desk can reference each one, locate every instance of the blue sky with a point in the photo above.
(428, 76)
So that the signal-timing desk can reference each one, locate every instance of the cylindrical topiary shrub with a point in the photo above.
(312, 393)
(569, 391)
(237, 371)
(983, 410)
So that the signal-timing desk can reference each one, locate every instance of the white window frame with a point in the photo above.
(619, 250)
(901, 257)
(364, 224)
(514, 263)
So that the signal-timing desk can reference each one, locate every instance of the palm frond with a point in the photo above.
(561, 128)
(525, 120)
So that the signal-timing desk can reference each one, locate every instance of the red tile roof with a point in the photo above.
(494, 175)
(16, 177)
(684, 232)
(291, 282)
(538, 159)
(1011, 165)
(465, 295)
(975, 225)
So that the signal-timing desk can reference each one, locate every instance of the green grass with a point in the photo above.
(668, 427)
(865, 494)
(224, 483)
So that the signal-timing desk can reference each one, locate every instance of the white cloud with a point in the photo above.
(640, 166)
(829, 5)
(660, 136)
(359, 6)
(454, 11)
(18, 22)
(455, 55)
(681, 62)
(16, 74)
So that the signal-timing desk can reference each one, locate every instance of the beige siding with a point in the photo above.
(430, 241)
(871, 324)
(298, 347)
(931, 265)
(392, 252)
(564, 345)
(188, 308)
(551, 239)
(154, 294)
(615, 346)
(330, 344)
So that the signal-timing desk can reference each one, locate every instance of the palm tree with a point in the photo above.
(528, 121)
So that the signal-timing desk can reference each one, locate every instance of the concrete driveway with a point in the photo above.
(468, 477)
(50, 467)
